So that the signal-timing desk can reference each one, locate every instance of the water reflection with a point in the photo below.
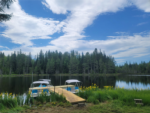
(132, 85)
(20, 85)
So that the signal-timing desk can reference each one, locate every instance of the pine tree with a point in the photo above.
(3, 4)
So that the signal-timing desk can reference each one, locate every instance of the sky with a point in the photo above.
(120, 28)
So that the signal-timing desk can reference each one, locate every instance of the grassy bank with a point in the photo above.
(125, 96)
(107, 100)
(15, 103)
(9, 103)
(111, 106)
(20, 75)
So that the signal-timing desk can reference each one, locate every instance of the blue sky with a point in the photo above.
(121, 28)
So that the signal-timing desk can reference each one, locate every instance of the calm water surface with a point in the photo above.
(20, 85)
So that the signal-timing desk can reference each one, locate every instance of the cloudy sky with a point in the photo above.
(121, 28)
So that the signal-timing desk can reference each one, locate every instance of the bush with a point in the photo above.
(96, 101)
(91, 99)
(102, 96)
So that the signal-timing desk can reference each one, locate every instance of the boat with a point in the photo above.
(41, 83)
(46, 80)
(76, 84)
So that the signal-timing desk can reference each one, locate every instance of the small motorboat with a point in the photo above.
(74, 82)
(36, 84)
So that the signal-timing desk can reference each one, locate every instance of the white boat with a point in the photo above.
(36, 84)
(46, 80)
(74, 82)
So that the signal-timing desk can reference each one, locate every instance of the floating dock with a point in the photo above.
(70, 97)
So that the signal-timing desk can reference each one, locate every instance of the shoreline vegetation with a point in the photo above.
(106, 100)
(110, 106)
(24, 75)
(90, 75)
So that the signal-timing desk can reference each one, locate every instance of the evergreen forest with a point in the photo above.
(54, 62)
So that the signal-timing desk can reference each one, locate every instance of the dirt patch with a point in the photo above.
(58, 109)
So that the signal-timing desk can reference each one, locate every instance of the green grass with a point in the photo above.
(109, 106)
(10, 102)
(17, 109)
(126, 96)
(7, 101)
(52, 98)
(116, 106)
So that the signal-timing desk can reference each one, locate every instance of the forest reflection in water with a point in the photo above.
(20, 85)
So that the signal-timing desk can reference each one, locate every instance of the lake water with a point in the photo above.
(20, 85)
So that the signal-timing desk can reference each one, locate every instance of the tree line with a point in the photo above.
(134, 68)
(53, 62)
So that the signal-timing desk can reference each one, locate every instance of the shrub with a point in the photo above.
(96, 101)
(91, 99)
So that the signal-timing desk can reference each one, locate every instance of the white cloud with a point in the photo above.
(22, 27)
(83, 12)
(142, 4)
(142, 23)
(119, 46)
(4, 47)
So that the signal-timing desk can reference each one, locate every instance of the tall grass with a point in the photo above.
(7, 100)
(12, 101)
(27, 100)
(126, 96)
(57, 97)
(44, 97)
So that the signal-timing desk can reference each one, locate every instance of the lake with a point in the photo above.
(20, 85)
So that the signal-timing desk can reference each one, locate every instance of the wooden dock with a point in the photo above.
(72, 98)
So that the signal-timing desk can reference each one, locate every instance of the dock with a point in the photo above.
(70, 97)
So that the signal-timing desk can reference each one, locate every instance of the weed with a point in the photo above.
(68, 104)
(61, 104)
(40, 105)
(26, 107)
(54, 103)
(48, 105)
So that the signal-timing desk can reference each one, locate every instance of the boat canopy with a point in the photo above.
(41, 82)
(72, 81)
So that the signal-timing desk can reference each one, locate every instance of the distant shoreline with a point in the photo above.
(114, 74)
(24, 75)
